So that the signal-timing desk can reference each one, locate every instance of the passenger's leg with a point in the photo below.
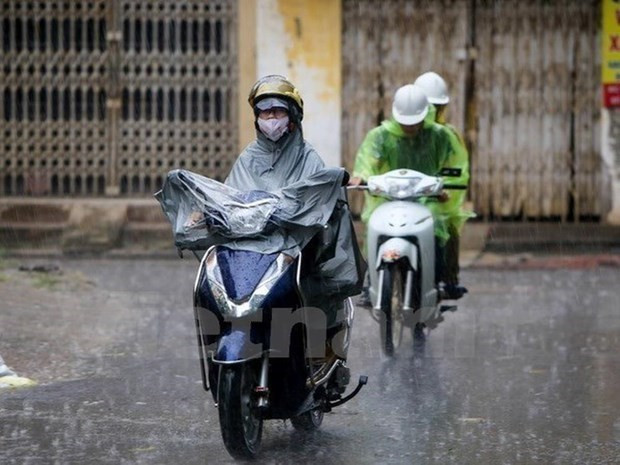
(450, 275)
(440, 261)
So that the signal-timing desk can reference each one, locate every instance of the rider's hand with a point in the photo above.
(193, 219)
(443, 197)
(355, 181)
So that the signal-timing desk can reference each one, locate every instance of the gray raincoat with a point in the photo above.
(267, 165)
(278, 197)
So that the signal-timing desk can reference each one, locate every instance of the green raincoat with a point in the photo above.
(387, 148)
(453, 211)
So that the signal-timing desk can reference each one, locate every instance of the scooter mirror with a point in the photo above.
(450, 172)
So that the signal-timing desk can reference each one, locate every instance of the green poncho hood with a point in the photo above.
(453, 209)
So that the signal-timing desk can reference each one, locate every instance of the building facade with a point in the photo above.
(104, 97)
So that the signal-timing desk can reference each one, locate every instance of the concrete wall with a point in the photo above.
(301, 40)
(610, 151)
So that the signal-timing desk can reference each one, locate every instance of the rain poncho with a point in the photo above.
(456, 215)
(387, 147)
(267, 165)
(278, 197)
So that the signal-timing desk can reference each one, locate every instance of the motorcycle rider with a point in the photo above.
(280, 157)
(436, 91)
(407, 140)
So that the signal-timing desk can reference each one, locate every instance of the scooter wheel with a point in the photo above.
(391, 318)
(240, 420)
(308, 421)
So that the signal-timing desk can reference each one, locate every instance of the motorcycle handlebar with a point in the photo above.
(346, 178)
(180, 253)
(450, 172)
(363, 186)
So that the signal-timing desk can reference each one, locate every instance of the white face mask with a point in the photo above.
(273, 128)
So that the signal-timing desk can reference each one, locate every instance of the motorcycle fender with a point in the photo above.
(396, 248)
(236, 347)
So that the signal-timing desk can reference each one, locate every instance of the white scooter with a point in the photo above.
(401, 255)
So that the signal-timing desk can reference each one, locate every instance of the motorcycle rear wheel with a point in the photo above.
(391, 318)
(308, 421)
(240, 422)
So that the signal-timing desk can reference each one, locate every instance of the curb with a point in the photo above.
(527, 261)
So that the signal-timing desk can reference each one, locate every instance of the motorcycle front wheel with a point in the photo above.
(240, 421)
(391, 318)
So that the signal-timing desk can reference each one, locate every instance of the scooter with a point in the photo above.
(264, 354)
(253, 368)
(401, 255)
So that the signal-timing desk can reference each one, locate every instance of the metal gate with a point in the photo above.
(537, 98)
(524, 77)
(104, 97)
(387, 44)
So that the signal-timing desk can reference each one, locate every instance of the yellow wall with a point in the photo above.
(301, 40)
(313, 29)
(246, 34)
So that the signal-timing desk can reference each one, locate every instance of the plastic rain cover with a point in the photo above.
(204, 212)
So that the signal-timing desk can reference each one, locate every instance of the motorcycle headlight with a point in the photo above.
(430, 186)
(402, 188)
(249, 219)
(226, 305)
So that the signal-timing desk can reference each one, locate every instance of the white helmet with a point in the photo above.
(434, 87)
(410, 105)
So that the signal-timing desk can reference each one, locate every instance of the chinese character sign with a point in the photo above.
(611, 53)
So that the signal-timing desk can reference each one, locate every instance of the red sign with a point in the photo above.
(611, 95)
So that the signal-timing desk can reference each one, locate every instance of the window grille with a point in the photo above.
(106, 96)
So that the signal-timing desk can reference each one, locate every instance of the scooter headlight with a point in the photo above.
(403, 188)
(251, 218)
(429, 186)
(226, 305)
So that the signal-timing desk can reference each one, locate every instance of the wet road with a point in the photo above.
(527, 371)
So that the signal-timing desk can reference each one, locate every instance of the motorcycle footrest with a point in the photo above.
(360, 384)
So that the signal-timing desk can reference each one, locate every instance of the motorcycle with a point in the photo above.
(264, 352)
(401, 255)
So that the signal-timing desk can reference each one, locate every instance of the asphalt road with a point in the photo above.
(526, 371)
